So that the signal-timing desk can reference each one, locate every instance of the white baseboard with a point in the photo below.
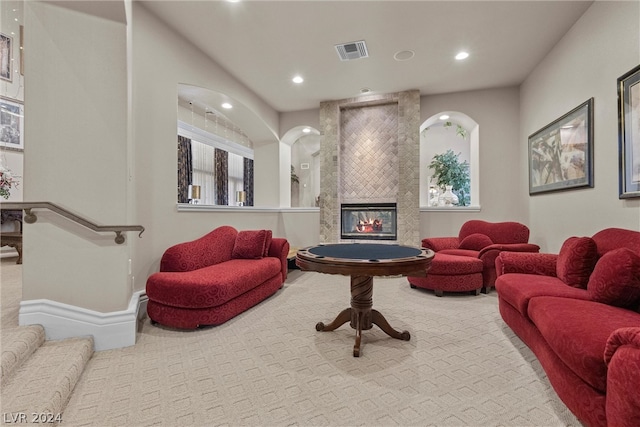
(109, 330)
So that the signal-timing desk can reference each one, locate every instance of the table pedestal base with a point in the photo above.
(361, 315)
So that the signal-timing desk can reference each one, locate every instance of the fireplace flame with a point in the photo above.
(369, 225)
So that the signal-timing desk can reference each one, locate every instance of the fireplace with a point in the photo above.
(370, 221)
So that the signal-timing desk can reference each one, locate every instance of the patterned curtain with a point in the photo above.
(248, 180)
(222, 177)
(185, 171)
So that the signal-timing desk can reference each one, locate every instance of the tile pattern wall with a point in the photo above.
(329, 204)
(409, 167)
(369, 154)
(347, 151)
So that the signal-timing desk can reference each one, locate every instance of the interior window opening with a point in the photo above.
(449, 173)
(215, 157)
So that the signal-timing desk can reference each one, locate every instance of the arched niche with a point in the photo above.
(242, 115)
(431, 134)
(303, 144)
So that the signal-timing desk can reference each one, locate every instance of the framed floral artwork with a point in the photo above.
(629, 133)
(11, 124)
(6, 45)
(561, 153)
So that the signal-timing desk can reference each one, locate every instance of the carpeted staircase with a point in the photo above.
(38, 376)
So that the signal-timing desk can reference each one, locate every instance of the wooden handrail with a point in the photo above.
(31, 217)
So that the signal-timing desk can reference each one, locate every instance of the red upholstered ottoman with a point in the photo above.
(451, 273)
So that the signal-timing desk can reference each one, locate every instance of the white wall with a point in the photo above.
(603, 45)
(292, 119)
(161, 61)
(496, 112)
(11, 18)
(302, 151)
(75, 156)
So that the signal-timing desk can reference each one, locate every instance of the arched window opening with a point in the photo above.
(305, 171)
(215, 157)
(304, 143)
(449, 159)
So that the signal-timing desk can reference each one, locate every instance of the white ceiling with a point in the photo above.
(265, 43)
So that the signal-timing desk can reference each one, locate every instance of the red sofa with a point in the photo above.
(216, 277)
(482, 240)
(579, 312)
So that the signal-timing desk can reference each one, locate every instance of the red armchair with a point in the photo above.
(484, 240)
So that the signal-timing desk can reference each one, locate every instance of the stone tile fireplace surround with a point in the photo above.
(370, 153)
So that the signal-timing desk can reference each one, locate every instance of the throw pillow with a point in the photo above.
(576, 260)
(616, 279)
(475, 242)
(249, 244)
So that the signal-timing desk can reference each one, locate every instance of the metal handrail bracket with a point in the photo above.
(30, 217)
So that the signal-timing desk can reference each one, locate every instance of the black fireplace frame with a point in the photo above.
(384, 234)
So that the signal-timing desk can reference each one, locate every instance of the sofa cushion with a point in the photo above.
(616, 279)
(500, 232)
(518, 289)
(452, 265)
(577, 257)
(460, 252)
(250, 244)
(212, 248)
(577, 331)
(475, 242)
(211, 286)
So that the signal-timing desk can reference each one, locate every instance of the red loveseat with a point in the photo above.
(216, 277)
(578, 311)
(483, 240)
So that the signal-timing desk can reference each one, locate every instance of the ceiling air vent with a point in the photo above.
(352, 50)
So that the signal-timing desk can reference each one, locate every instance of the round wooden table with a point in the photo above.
(362, 261)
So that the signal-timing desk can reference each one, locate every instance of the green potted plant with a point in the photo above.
(449, 170)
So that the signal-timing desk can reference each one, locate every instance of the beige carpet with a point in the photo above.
(269, 367)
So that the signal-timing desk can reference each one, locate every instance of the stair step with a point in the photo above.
(43, 384)
(17, 345)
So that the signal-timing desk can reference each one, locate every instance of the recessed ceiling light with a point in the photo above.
(462, 55)
(365, 90)
(404, 55)
(443, 117)
(306, 130)
(227, 105)
(297, 79)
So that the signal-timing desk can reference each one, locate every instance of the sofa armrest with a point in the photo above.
(279, 248)
(509, 247)
(622, 356)
(541, 264)
(440, 243)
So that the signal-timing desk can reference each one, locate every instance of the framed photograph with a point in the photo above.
(11, 124)
(629, 133)
(561, 153)
(6, 44)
